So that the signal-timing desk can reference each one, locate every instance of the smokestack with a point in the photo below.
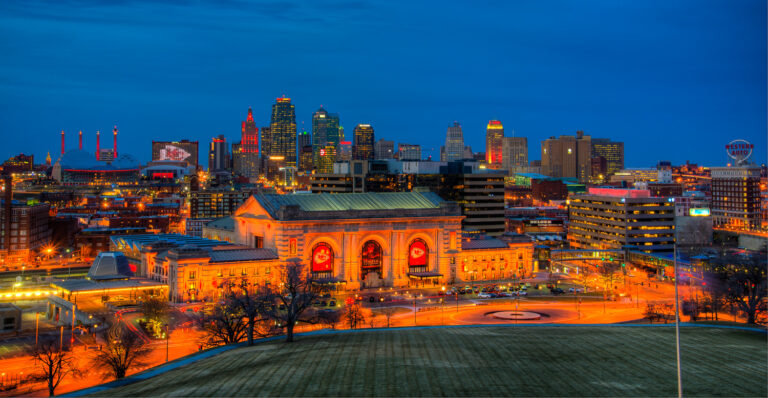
(114, 145)
(62, 142)
(97, 144)
(8, 209)
(81, 140)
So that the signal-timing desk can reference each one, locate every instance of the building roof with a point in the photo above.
(137, 242)
(110, 265)
(343, 202)
(225, 223)
(479, 244)
(225, 256)
(87, 285)
(82, 160)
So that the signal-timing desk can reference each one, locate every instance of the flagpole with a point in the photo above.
(677, 326)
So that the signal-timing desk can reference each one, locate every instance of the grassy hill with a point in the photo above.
(479, 361)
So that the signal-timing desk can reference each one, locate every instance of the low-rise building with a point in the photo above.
(608, 218)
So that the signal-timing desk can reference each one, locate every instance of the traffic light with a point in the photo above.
(602, 258)
(623, 264)
(610, 258)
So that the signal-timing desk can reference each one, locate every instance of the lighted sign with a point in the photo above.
(371, 256)
(702, 212)
(322, 152)
(739, 150)
(173, 153)
(418, 253)
(322, 258)
(158, 174)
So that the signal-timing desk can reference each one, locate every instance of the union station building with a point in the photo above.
(368, 240)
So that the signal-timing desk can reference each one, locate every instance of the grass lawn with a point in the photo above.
(479, 361)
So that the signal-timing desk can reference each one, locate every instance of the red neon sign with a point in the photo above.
(162, 175)
(418, 253)
(322, 258)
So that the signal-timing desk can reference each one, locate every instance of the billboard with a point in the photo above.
(177, 151)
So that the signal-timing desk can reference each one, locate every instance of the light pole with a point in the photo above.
(37, 326)
(677, 326)
(167, 337)
(414, 309)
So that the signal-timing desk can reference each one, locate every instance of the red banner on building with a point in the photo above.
(322, 258)
(417, 254)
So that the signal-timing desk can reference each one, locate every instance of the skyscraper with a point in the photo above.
(325, 131)
(305, 151)
(266, 146)
(362, 146)
(494, 138)
(514, 154)
(248, 162)
(218, 156)
(384, 149)
(454, 143)
(283, 131)
(567, 156)
(612, 151)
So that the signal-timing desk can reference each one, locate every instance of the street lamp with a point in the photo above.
(167, 337)
(677, 325)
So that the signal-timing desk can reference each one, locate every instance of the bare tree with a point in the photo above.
(53, 362)
(329, 318)
(155, 310)
(607, 272)
(252, 303)
(353, 315)
(650, 312)
(743, 283)
(226, 324)
(388, 313)
(122, 351)
(287, 302)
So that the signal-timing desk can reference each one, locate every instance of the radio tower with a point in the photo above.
(97, 144)
(81, 140)
(62, 142)
(114, 146)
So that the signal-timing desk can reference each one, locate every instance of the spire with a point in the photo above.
(48, 159)
(250, 114)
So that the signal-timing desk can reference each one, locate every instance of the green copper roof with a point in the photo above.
(351, 201)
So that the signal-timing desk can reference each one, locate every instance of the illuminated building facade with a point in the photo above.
(326, 156)
(611, 151)
(27, 231)
(306, 158)
(218, 154)
(215, 203)
(736, 197)
(19, 164)
(325, 131)
(362, 147)
(608, 218)
(283, 131)
(454, 144)
(567, 156)
(375, 239)
(494, 138)
(514, 157)
(266, 146)
(248, 156)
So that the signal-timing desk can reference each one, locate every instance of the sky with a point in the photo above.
(674, 80)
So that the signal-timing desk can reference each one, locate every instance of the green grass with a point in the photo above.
(479, 361)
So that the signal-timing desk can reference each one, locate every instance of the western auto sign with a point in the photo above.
(739, 150)
(322, 258)
(417, 254)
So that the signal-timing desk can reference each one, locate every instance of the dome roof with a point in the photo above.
(110, 265)
(81, 160)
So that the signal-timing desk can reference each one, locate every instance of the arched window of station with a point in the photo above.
(322, 261)
(371, 259)
(418, 256)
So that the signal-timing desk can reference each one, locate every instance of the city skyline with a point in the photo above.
(657, 90)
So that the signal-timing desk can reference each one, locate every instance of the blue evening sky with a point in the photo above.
(674, 80)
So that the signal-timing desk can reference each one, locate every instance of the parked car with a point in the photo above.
(557, 290)
(522, 293)
(332, 303)
(484, 295)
